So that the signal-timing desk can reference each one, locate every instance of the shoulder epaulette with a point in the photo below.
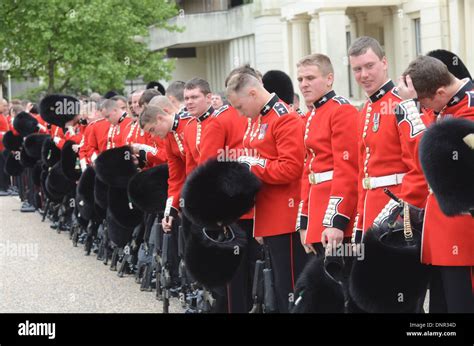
(341, 100)
(280, 108)
(222, 109)
(470, 100)
(395, 92)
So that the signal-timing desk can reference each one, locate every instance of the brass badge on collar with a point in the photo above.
(376, 125)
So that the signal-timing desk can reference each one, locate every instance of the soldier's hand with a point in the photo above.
(167, 223)
(405, 87)
(307, 247)
(75, 147)
(135, 148)
(259, 240)
(332, 237)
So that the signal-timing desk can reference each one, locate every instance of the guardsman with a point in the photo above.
(329, 184)
(149, 149)
(115, 112)
(384, 161)
(197, 99)
(95, 137)
(223, 139)
(448, 241)
(163, 119)
(274, 153)
(4, 127)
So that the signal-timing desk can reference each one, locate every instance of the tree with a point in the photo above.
(83, 45)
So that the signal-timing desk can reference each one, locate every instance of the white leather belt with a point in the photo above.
(387, 180)
(318, 178)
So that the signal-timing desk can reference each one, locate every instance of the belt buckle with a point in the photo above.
(312, 178)
(366, 183)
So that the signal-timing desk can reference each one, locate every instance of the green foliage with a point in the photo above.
(83, 45)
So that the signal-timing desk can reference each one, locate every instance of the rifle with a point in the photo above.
(258, 288)
(158, 247)
(91, 235)
(146, 264)
(46, 209)
(269, 296)
(130, 252)
(115, 258)
(165, 276)
(183, 274)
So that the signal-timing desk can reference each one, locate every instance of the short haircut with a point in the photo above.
(17, 108)
(148, 115)
(199, 83)
(247, 69)
(428, 74)
(147, 96)
(109, 104)
(239, 81)
(320, 60)
(362, 44)
(95, 97)
(119, 97)
(176, 89)
(161, 101)
(34, 109)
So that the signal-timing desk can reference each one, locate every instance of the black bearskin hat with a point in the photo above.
(279, 82)
(58, 109)
(219, 193)
(148, 189)
(25, 124)
(447, 158)
(34, 143)
(115, 166)
(213, 255)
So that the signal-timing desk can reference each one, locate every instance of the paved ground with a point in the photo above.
(41, 272)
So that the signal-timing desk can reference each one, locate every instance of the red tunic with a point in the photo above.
(275, 154)
(192, 139)
(223, 138)
(152, 149)
(384, 155)
(4, 127)
(449, 241)
(175, 150)
(330, 198)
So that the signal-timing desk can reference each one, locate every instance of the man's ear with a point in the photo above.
(441, 92)
(252, 92)
(209, 97)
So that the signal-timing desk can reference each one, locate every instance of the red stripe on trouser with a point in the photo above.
(291, 263)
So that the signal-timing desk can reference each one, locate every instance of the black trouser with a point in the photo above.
(451, 290)
(4, 177)
(287, 258)
(173, 258)
(239, 290)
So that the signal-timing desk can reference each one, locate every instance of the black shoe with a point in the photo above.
(27, 208)
(54, 225)
(13, 191)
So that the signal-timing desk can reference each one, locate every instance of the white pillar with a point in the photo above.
(314, 33)
(300, 40)
(332, 33)
(269, 52)
(469, 29)
(287, 41)
(389, 40)
(456, 27)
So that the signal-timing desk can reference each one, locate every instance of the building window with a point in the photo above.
(417, 26)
